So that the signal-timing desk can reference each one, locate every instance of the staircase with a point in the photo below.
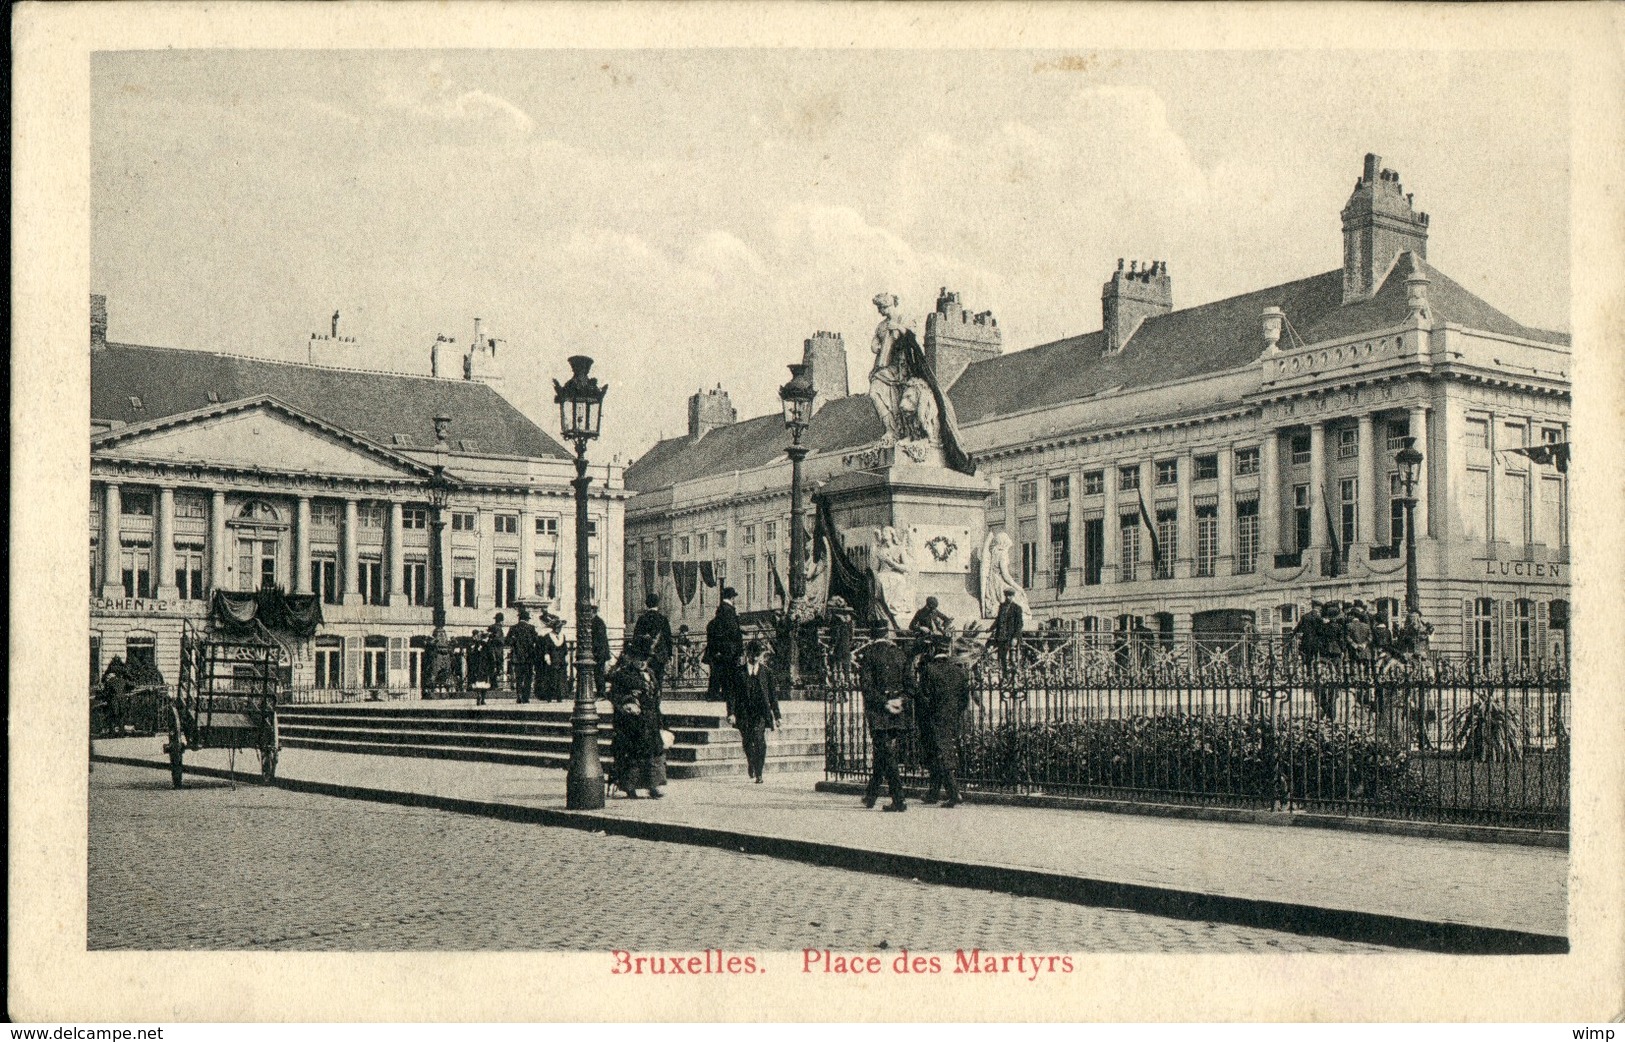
(538, 735)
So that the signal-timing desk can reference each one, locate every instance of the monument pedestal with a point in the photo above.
(939, 515)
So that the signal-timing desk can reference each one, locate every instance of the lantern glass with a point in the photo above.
(1409, 461)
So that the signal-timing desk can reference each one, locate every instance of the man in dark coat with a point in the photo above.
(654, 627)
(840, 636)
(637, 746)
(945, 694)
(600, 648)
(495, 645)
(1007, 627)
(883, 672)
(522, 642)
(755, 708)
(725, 648)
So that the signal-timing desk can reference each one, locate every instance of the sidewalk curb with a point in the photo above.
(1244, 816)
(1291, 917)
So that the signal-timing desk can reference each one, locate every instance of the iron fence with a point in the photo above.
(1423, 741)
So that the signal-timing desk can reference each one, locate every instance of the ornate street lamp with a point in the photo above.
(581, 410)
(797, 397)
(1409, 460)
(439, 491)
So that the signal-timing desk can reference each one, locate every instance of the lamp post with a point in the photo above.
(581, 406)
(797, 397)
(1409, 460)
(439, 489)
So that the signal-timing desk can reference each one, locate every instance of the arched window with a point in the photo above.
(259, 530)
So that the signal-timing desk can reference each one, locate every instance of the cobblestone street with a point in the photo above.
(215, 868)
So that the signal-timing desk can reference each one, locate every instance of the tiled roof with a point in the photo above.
(388, 408)
(1450, 303)
(840, 424)
(1210, 338)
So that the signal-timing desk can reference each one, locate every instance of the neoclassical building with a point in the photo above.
(1204, 469)
(217, 471)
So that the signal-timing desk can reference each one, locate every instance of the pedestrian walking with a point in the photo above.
(883, 670)
(600, 649)
(637, 746)
(495, 646)
(523, 645)
(754, 710)
(724, 648)
(653, 626)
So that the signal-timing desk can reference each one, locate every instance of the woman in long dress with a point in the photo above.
(637, 747)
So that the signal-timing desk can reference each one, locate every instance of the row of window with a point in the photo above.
(508, 524)
(1093, 482)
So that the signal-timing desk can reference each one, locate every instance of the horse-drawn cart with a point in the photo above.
(226, 699)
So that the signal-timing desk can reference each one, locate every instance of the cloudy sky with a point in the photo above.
(689, 217)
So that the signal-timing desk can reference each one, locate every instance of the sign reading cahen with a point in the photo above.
(134, 605)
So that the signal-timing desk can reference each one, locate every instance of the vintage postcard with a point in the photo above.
(946, 512)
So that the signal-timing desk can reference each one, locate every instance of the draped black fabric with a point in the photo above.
(686, 576)
(649, 578)
(266, 609)
(857, 588)
(914, 363)
(708, 573)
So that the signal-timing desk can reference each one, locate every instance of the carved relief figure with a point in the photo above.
(892, 574)
(997, 576)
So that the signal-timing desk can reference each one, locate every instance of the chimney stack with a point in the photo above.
(1379, 223)
(824, 355)
(708, 410)
(98, 321)
(954, 338)
(1130, 297)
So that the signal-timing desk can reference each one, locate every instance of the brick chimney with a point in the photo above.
(954, 338)
(824, 355)
(480, 363)
(708, 410)
(98, 321)
(1379, 223)
(1130, 297)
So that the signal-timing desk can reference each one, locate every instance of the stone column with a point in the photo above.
(301, 546)
(1366, 511)
(397, 554)
(1419, 431)
(1317, 485)
(1111, 548)
(163, 545)
(112, 576)
(1226, 564)
(218, 551)
(527, 552)
(1269, 497)
(1185, 526)
(352, 559)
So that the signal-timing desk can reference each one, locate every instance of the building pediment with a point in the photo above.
(259, 434)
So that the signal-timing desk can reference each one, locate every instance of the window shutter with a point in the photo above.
(1497, 628)
(1469, 635)
(1540, 631)
(352, 663)
(397, 653)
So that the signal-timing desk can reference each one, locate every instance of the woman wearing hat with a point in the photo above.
(638, 746)
(753, 706)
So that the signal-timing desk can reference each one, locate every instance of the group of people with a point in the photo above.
(742, 678)
(534, 662)
(908, 683)
(1333, 632)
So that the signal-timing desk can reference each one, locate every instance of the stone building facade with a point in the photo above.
(1213, 469)
(215, 471)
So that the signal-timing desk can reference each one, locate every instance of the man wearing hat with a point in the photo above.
(754, 708)
(653, 627)
(637, 746)
(725, 648)
(522, 644)
(600, 648)
(840, 634)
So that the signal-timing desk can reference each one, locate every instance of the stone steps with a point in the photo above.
(539, 735)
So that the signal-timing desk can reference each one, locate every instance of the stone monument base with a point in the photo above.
(939, 515)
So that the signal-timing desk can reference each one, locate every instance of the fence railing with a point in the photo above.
(1428, 742)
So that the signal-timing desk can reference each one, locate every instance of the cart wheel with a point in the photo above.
(176, 744)
(268, 750)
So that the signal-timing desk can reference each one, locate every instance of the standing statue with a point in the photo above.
(892, 574)
(891, 369)
(918, 417)
(997, 576)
